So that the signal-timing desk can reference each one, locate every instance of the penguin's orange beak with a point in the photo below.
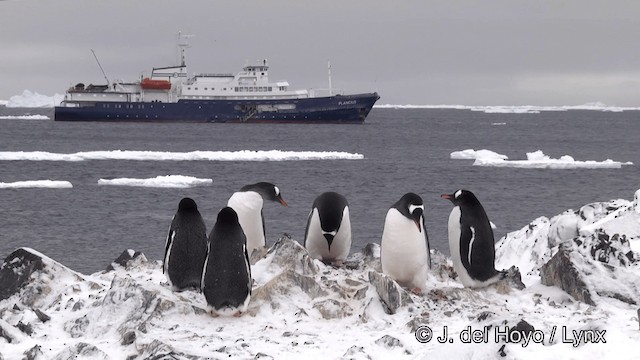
(281, 200)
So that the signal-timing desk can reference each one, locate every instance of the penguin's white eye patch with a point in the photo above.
(412, 208)
(277, 190)
(458, 193)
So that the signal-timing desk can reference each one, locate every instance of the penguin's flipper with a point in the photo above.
(426, 238)
(306, 231)
(467, 237)
(167, 246)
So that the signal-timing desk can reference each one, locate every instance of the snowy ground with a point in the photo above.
(302, 308)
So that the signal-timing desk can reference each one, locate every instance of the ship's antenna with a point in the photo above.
(329, 71)
(183, 44)
(101, 69)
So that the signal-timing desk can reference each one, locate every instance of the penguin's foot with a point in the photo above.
(238, 314)
(338, 263)
(417, 291)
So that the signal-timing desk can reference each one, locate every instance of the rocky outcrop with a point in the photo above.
(561, 272)
(587, 253)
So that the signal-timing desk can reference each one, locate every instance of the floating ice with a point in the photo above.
(169, 181)
(535, 160)
(242, 155)
(30, 99)
(24, 117)
(36, 184)
(477, 154)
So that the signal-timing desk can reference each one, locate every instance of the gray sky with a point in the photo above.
(469, 52)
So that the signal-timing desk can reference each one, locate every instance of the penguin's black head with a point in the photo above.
(411, 206)
(267, 190)
(187, 205)
(461, 197)
(227, 216)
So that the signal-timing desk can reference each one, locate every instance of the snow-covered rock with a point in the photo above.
(301, 307)
(588, 252)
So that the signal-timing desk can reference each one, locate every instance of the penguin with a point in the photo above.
(328, 233)
(471, 241)
(248, 204)
(186, 247)
(405, 249)
(226, 278)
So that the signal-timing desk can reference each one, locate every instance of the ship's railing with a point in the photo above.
(321, 92)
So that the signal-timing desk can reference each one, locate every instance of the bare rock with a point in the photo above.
(35, 353)
(127, 259)
(512, 278)
(128, 338)
(356, 352)
(157, 350)
(389, 342)
(392, 295)
(288, 253)
(561, 272)
(283, 283)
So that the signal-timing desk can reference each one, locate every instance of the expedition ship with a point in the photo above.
(170, 95)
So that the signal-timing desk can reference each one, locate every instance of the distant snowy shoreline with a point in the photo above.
(29, 99)
(509, 109)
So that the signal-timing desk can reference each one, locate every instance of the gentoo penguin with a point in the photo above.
(328, 233)
(248, 205)
(186, 247)
(471, 241)
(404, 250)
(226, 279)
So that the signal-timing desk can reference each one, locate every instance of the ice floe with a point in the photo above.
(241, 155)
(535, 160)
(169, 181)
(36, 184)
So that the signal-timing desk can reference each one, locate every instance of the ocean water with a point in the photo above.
(405, 150)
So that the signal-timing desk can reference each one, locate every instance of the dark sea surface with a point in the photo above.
(405, 150)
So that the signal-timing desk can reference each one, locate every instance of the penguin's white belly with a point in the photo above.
(248, 206)
(403, 251)
(317, 244)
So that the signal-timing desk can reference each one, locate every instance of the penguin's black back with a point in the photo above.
(472, 214)
(227, 278)
(188, 246)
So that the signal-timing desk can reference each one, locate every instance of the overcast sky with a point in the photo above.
(468, 52)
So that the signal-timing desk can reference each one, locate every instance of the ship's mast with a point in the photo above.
(183, 44)
(329, 71)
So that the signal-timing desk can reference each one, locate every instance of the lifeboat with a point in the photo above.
(150, 84)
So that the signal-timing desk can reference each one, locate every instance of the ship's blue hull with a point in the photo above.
(332, 109)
